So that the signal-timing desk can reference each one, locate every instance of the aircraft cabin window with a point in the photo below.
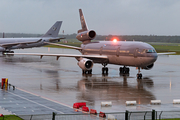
(150, 51)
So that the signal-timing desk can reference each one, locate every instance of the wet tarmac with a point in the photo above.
(62, 82)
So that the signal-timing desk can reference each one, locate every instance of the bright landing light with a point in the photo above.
(114, 40)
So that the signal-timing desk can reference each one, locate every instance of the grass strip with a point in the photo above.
(10, 117)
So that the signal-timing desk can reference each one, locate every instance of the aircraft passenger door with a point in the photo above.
(100, 51)
(136, 52)
(117, 51)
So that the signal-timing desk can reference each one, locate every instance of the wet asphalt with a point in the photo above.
(55, 85)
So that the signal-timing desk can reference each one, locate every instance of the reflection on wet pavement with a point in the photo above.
(63, 81)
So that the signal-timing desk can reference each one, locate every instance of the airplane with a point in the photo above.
(125, 53)
(7, 44)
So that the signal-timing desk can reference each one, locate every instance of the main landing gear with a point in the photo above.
(4, 52)
(86, 72)
(139, 75)
(104, 69)
(124, 70)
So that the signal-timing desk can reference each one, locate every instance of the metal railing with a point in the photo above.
(128, 115)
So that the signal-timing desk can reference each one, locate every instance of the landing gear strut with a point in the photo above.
(104, 69)
(139, 75)
(124, 70)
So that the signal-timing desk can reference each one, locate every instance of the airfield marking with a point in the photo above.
(35, 102)
(45, 98)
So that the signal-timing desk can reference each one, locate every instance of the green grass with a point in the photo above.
(167, 48)
(172, 119)
(10, 117)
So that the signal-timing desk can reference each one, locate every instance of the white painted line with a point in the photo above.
(36, 103)
(45, 98)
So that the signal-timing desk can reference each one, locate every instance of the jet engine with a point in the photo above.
(2, 49)
(86, 35)
(148, 67)
(85, 64)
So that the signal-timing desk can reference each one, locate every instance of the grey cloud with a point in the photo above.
(126, 17)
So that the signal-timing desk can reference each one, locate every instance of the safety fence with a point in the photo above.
(128, 115)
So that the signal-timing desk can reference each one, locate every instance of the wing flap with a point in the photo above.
(59, 55)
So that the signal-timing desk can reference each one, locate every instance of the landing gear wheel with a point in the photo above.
(105, 70)
(124, 70)
(139, 76)
(87, 72)
(4, 52)
(11, 51)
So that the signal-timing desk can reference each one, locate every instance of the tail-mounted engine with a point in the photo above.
(148, 67)
(86, 36)
(85, 64)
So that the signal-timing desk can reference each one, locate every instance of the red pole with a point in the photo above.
(2, 82)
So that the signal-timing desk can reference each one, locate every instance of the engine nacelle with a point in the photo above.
(85, 64)
(148, 67)
(2, 49)
(86, 35)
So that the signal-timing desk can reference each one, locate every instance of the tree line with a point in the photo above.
(143, 38)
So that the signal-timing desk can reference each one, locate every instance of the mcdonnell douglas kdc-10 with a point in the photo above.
(7, 44)
(125, 53)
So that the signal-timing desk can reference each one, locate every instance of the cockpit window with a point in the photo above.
(150, 51)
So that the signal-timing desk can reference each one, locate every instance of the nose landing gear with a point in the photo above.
(139, 75)
(104, 69)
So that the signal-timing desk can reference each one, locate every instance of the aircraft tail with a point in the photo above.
(84, 34)
(83, 22)
(54, 30)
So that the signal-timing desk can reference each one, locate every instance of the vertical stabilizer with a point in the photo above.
(54, 30)
(83, 22)
(84, 34)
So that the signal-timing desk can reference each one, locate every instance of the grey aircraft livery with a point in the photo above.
(125, 53)
(7, 44)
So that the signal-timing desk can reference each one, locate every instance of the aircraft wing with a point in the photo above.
(61, 55)
(167, 53)
(67, 46)
(6, 45)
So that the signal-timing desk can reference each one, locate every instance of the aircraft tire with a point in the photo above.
(90, 71)
(139, 76)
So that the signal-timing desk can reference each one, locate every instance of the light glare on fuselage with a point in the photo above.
(115, 40)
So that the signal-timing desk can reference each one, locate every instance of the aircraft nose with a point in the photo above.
(154, 57)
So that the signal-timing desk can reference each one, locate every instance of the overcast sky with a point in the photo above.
(116, 17)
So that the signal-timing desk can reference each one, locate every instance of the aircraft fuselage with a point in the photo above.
(126, 53)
